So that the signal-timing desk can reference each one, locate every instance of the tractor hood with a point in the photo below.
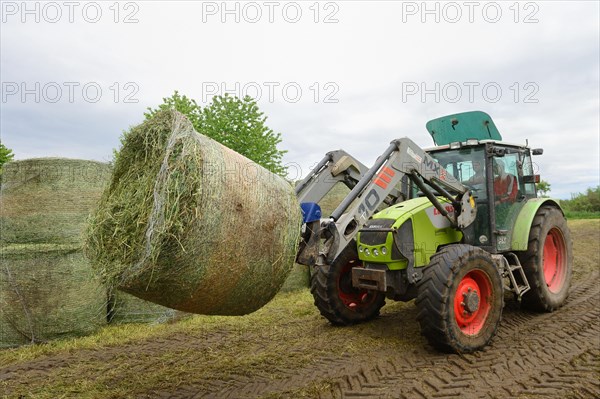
(413, 222)
(461, 127)
(404, 210)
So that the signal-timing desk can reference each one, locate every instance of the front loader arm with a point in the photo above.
(402, 158)
(337, 166)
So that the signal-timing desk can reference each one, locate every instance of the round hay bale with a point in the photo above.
(47, 292)
(125, 308)
(47, 200)
(189, 224)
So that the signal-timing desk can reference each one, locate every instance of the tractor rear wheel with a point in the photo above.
(548, 261)
(460, 299)
(336, 298)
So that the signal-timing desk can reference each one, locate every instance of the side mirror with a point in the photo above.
(531, 179)
(537, 151)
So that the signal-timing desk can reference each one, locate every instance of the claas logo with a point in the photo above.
(449, 208)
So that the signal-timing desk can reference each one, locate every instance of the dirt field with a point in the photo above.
(287, 350)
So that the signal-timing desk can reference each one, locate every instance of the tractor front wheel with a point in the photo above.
(548, 261)
(460, 299)
(336, 298)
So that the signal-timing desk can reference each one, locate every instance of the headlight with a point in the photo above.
(367, 252)
(360, 248)
(383, 250)
(375, 252)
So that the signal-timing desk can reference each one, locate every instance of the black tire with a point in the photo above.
(336, 299)
(457, 274)
(548, 261)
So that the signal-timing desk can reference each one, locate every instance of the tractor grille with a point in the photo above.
(375, 231)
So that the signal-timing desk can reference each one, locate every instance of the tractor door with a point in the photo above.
(508, 193)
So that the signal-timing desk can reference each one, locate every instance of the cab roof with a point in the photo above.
(461, 127)
(473, 143)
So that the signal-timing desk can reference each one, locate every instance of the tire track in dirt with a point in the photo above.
(533, 355)
(38, 369)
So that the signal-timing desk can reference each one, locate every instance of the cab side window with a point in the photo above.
(508, 190)
(506, 178)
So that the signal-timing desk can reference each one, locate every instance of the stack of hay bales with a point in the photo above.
(47, 288)
(192, 225)
(48, 200)
(47, 291)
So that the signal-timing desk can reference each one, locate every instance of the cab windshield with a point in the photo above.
(467, 165)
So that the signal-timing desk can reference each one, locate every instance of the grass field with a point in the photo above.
(571, 215)
(285, 349)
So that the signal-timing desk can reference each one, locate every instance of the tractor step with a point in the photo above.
(515, 273)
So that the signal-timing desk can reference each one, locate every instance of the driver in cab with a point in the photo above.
(479, 176)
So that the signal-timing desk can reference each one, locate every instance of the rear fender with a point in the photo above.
(520, 236)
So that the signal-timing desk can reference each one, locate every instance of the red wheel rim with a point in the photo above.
(472, 302)
(352, 298)
(554, 260)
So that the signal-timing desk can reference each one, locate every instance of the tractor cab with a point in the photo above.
(500, 175)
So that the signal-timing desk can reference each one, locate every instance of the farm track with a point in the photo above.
(533, 355)
(547, 355)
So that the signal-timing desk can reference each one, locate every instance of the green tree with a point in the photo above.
(236, 123)
(6, 155)
(239, 125)
(183, 104)
(543, 188)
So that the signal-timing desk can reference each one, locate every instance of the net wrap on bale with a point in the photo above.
(48, 200)
(189, 224)
(47, 287)
(47, 291)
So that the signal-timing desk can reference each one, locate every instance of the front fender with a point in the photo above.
(520, 236)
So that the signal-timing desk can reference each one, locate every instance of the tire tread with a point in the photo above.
(325, 293)
(434, 297)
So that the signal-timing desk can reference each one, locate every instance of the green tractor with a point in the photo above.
(453, 226)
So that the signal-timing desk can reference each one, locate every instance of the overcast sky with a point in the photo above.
(341, 74)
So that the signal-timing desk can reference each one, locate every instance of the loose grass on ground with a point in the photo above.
(286, 310)
(286, 337)
(124, 361)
